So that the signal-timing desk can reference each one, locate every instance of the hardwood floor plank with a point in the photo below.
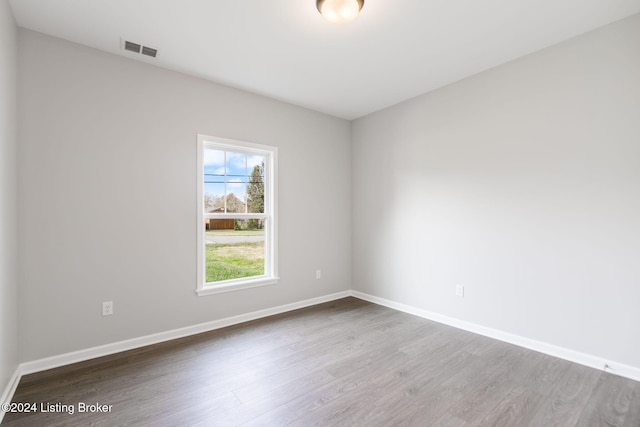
(280, 416)
(565, 400)
(609, 403)
(517, 408)
(342, 363)
(393, 389)
(280, 388)
(492, 384)
(632, 419)
(356, 382)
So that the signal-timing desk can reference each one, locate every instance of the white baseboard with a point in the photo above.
(599, 363)
(10, 390)
(117, 347)
(104, 350)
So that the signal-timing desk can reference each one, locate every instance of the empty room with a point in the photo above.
(320, 212)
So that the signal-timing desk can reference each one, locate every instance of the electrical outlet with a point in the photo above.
(318, 274)
(107, 308)
(460, 291)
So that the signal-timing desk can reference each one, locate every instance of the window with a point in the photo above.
(236, 215)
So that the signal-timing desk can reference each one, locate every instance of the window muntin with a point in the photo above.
(236, 215)
(233, 182)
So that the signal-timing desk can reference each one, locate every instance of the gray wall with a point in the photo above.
(8, 218)
(523, 185)
(107, 200)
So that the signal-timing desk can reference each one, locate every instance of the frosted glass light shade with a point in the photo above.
(339, 11)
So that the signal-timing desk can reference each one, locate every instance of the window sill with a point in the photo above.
(234, 285)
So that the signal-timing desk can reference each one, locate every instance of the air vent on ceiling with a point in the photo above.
(149, 51)
(132, 47)
(138, 48)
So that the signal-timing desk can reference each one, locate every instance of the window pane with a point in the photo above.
(236, 182)
(233, 249)
(233, 182)
(255, 184)
(214, 181)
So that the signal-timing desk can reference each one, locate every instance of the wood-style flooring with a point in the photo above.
(342, 363)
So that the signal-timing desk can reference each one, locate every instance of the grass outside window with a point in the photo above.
(227, 261)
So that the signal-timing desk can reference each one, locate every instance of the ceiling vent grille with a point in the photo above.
(138, 48)
(149, 51)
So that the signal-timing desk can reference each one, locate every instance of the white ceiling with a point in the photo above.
(284, 49)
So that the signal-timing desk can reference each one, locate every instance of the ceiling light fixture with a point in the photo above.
(339, 11)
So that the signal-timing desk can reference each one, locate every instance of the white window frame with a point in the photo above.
(270, 275)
